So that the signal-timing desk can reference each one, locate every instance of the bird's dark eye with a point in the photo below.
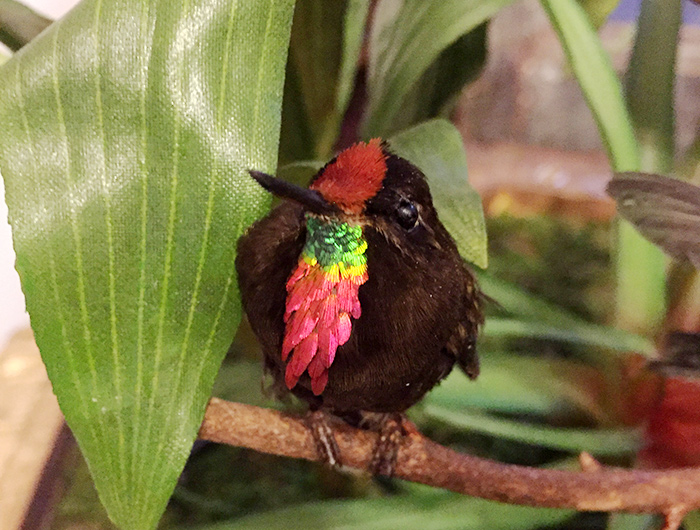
(406, 214)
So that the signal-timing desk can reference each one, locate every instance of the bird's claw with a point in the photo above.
(326, 446)
(391, 430)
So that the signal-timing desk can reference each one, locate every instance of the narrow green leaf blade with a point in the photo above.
(451, 512)
(512, 384)
(537, 318)
(598, 10)
(640, 265)
(650, 83)
(128, 129)
(595, 441)
(354, 23)
(583, 333)
(405, 39)
(598, 81)
(315, 55)
(436, 148)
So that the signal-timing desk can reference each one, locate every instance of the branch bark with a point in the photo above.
(672, 493)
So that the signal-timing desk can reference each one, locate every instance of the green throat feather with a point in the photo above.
(333, 244)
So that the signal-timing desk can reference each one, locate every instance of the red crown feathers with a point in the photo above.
(355, 176)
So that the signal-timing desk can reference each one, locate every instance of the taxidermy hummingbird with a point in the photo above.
(358, 295)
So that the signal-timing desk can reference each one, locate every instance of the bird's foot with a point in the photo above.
(326, 446)
(392, 428)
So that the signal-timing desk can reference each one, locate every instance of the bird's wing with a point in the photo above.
(663, 209)
(462, 343)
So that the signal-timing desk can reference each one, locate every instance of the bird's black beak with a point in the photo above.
(309, 199)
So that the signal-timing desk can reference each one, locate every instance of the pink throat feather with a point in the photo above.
(322, 300)
(322, 292)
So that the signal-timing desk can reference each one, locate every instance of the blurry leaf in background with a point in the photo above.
(458, 64)
(242, 381)
(692, 521)
(584, 333)
(601, 442)
(650, 82)
(598, 10)
(563, 261)
(435, 93)
(518, 385)
(436, 147)
(634, 521)
(314, 54)
(538, 318)
(600, 85)
(405, 39)
(128, 129)
(296, 137)
(443, 512)
(19, 24)
(542, 389)
(354, 27)
(324, 52)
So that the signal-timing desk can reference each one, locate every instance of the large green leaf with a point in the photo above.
(128, 128)
(406, 38)
(436, 148)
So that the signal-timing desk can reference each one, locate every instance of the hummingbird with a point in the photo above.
(358, 295)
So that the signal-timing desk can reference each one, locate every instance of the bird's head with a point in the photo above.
(367, 185)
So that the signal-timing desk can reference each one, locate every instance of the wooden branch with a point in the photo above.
(596, 488)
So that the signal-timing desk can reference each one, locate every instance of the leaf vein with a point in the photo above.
(145, 13)
(258, 88)
(121, 442)
(77, 237)
(172, 215)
